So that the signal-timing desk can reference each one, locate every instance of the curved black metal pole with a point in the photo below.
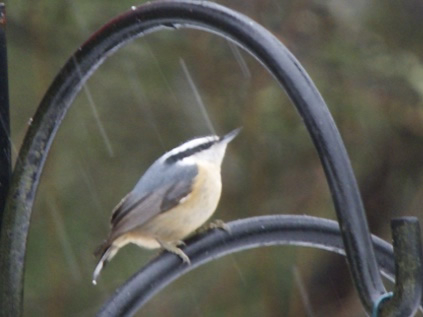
(244, 234)
(261, 44)
(408, 269)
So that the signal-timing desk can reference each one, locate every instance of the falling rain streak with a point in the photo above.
(197, 96)
(86, 178)
(63, 238)
(161, 72)
(238, 269)
(240, 60)
(98, 121)
(83, 26)
(142, 102)
(95, 113)
(303, 292)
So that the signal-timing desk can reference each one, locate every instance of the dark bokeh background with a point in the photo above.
(364, 56)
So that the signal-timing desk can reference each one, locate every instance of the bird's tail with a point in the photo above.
(106, 253)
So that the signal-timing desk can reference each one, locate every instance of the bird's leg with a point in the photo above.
(215, 224)
(172, 247)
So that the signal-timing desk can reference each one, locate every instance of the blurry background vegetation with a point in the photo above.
(364, 56)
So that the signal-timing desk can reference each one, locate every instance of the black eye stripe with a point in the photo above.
(188, 152)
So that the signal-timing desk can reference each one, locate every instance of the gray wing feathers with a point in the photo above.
(151, 196)
(174, 194)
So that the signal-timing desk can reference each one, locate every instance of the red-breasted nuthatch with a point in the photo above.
(175, 196)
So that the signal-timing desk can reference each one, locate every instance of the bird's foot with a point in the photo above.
(180, 243)
(215, 224)
(173, 248)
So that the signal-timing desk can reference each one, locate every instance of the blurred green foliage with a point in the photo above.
(364, 56)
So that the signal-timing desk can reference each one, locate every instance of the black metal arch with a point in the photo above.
(244, 234)
(258, 232)
(260, 43)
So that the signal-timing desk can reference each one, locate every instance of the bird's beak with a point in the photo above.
(230, 136)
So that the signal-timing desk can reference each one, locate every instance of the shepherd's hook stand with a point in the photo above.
(356, 243)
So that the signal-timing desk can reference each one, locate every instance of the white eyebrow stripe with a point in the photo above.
(190, 144)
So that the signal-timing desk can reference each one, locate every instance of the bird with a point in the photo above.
(176, 195)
